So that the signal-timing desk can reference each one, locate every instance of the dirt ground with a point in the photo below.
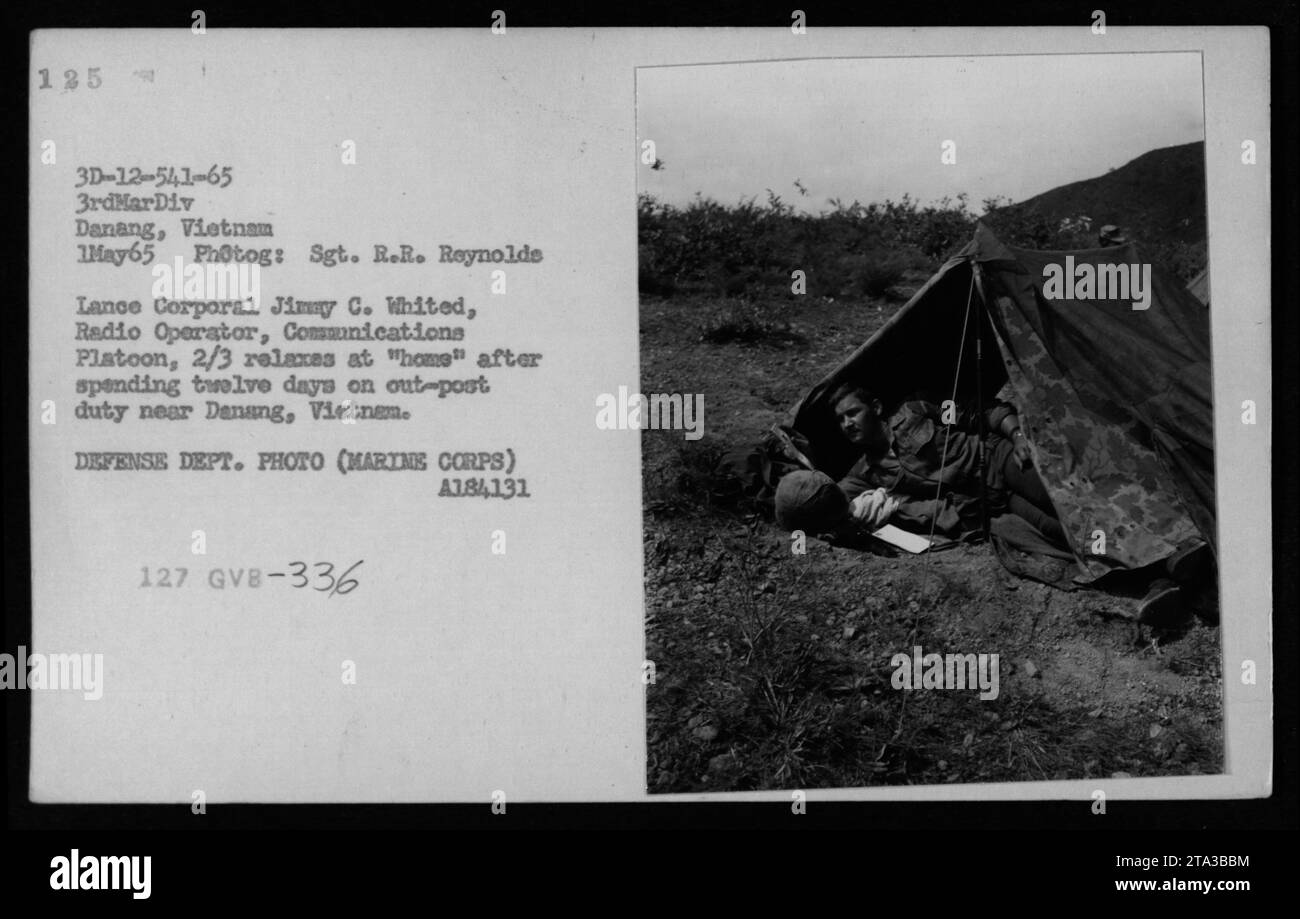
(772, 669)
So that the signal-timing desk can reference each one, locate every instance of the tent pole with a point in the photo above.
(979, 399)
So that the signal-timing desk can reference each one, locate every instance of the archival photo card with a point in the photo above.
(502, 415)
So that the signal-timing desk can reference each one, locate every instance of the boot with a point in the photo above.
(1163, 606)
(1192, 562)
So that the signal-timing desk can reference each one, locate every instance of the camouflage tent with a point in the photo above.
(1115, 401)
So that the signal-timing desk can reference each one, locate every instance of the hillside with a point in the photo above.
(1158, 198)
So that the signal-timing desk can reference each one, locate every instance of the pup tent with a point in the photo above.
(1115, 402)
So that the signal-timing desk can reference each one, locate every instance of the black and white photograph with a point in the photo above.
(951, 514)
(641, 418)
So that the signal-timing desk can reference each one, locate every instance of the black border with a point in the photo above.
(1278, 812)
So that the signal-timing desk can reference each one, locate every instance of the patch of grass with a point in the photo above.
(683, 481)
(762, 711)
(775, 673)
(746, 323)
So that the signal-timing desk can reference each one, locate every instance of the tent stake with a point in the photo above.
(979, 400)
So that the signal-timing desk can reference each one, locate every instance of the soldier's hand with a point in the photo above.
(1022, 452)
(873, 508)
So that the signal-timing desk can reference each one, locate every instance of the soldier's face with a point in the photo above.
(859, 421)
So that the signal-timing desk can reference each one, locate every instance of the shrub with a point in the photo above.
(847, 250)
(744, 322)
(880, 272)
(1185, 260)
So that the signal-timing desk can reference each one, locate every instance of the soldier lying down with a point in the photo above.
(923, 475)
(919, 473)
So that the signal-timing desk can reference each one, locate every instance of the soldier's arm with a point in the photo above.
(920, 514)
(855, 483)
(1003, 419)
(999, 418)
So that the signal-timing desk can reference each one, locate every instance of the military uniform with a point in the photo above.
(933, 468)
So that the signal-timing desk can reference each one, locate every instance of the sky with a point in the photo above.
(874, 128)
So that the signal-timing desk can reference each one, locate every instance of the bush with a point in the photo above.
(847, 250)
(746, 323)
(882, 270)
(684, 483)
(1184, 260)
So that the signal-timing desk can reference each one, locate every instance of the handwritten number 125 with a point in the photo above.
(70, 79)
